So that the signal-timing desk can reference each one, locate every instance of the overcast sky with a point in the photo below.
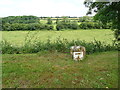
(42, 8)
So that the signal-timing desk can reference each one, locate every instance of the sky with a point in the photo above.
(42, 8)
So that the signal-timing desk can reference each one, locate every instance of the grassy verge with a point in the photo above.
(58, 70)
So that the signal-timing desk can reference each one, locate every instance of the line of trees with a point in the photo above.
(31, 26)
(86, 22)
(20, 19)
(13, 23)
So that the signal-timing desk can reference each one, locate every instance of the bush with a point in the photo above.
(8, 48)
(6, 27)
(83, 25)
(94, 25)
(49, 27)
(49, 20)
(59, 26)
(60, 45)
(74, 26)
(31, 26)
(67, 25)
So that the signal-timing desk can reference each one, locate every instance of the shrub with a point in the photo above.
(94, 25)
(67, 25)
(6, 27)
(49, 20)
(31, 26)
(73, 25)
(49, 27)
(8, 48)
(83, 25)
(60, 45)
(59, 26)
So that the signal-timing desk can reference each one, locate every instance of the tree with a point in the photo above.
(85, 19)
(49, 20)
(106, 12)
(57, 21)
(65, 19)
(0, 24)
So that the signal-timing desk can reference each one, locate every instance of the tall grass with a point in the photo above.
(59, 45)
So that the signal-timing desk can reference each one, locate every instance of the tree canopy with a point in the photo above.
(107, 11)
(20, 19)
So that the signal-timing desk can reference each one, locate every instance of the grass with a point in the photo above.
(58, 70)
(45, 69)
(18, 37)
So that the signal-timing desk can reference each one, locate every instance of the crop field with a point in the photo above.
(18, 37)
(60, 19)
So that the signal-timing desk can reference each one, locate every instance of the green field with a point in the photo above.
(53, 69)
(18, 37)
(58, 70)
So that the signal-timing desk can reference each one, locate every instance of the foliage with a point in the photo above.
(94, 25)
(106, 12)
(0, 24)
(49, 20)
(67, 24)
(57, 21)
(8, 48)
(49, 27)
(59, 26)
(30, 26)
(86, 19)
(65, 19)
(26, 23)
(20, 19)
(74, 25)
(13, 23)
(58, 45)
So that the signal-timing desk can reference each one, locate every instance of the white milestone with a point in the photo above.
(77, 52)
(77, 56)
